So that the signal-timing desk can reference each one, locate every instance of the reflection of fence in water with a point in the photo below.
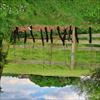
(83, 51)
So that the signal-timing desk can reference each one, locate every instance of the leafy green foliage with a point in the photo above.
(92, 85)
(53, 81)
(1, 57)
(3, 50)
(96, 74)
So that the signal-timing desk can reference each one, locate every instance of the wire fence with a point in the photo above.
(73, 50)
(87, 55)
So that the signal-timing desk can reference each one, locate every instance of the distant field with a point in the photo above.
(82, 13)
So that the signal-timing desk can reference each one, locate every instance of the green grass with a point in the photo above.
(58, 53)
(43, 70)
(23, 62)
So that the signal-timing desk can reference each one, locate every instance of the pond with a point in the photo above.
(29, 87)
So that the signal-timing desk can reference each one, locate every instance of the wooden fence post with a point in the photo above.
(32, 34)
(73, 49)
(25, 37)
(47, 37)
(42, 38)
(17, 33)
(90, 35)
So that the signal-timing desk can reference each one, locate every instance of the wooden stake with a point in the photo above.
(17, 33)
(32, 34)
(70, 33)
(25, 37)
(73, 49)
(90, 35)
(51, 39)
(90, 43)
(42, 38)
(47, 37)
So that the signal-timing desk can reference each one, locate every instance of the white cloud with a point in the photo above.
(66, 93)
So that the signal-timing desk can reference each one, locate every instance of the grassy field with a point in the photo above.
(50, 60)
(38, 69)
(82, 13)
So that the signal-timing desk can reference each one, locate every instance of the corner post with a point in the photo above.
(73, 49)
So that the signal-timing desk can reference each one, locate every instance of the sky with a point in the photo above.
(23, 89)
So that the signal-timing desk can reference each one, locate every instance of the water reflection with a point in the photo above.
(23, 89)
(54, 81)
(1, 69)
